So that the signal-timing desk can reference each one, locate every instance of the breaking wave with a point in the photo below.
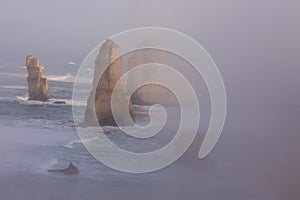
(16, 87)
(66, 77)
(44, 167)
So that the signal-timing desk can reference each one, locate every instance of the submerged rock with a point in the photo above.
(59, 102)
(103, 89)
(37, 85)
(70, 170)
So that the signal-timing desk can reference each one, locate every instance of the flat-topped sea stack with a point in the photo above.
(37, 85)
(99, 101)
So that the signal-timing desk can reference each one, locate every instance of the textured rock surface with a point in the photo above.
(102, 89)
(37, 85)
(151, 93)
(70, 170)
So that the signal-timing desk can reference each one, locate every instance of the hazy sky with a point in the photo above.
(255, 43)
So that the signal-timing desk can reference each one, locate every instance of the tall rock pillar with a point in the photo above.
(37, 85)
(99, 102)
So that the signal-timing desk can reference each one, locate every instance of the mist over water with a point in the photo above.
(256, 47)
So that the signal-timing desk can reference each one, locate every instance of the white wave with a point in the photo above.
(13, 87)
(13, 74)
(60, 78)
(71, 63)
(46, 166)
(24, 100)
(69, 145)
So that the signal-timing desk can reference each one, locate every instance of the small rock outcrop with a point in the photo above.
(59, 102)
(102, 90)
(37, 85)
(70, 170)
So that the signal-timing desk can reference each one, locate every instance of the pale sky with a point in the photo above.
(255, 43)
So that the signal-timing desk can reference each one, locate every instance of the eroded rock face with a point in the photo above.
(70, 170)
(151, 93)
(37, 85)
(102, 89)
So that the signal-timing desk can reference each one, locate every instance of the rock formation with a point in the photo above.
(59, 102)
(70, 170)
(37, 85)
(102, 90)
(151, 93)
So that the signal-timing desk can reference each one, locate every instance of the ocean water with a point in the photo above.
(17, 114)
(252, 160)
(17, 111)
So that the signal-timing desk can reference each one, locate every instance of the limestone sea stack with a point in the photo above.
(151, 93)
(99, 109)
(37, 85)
